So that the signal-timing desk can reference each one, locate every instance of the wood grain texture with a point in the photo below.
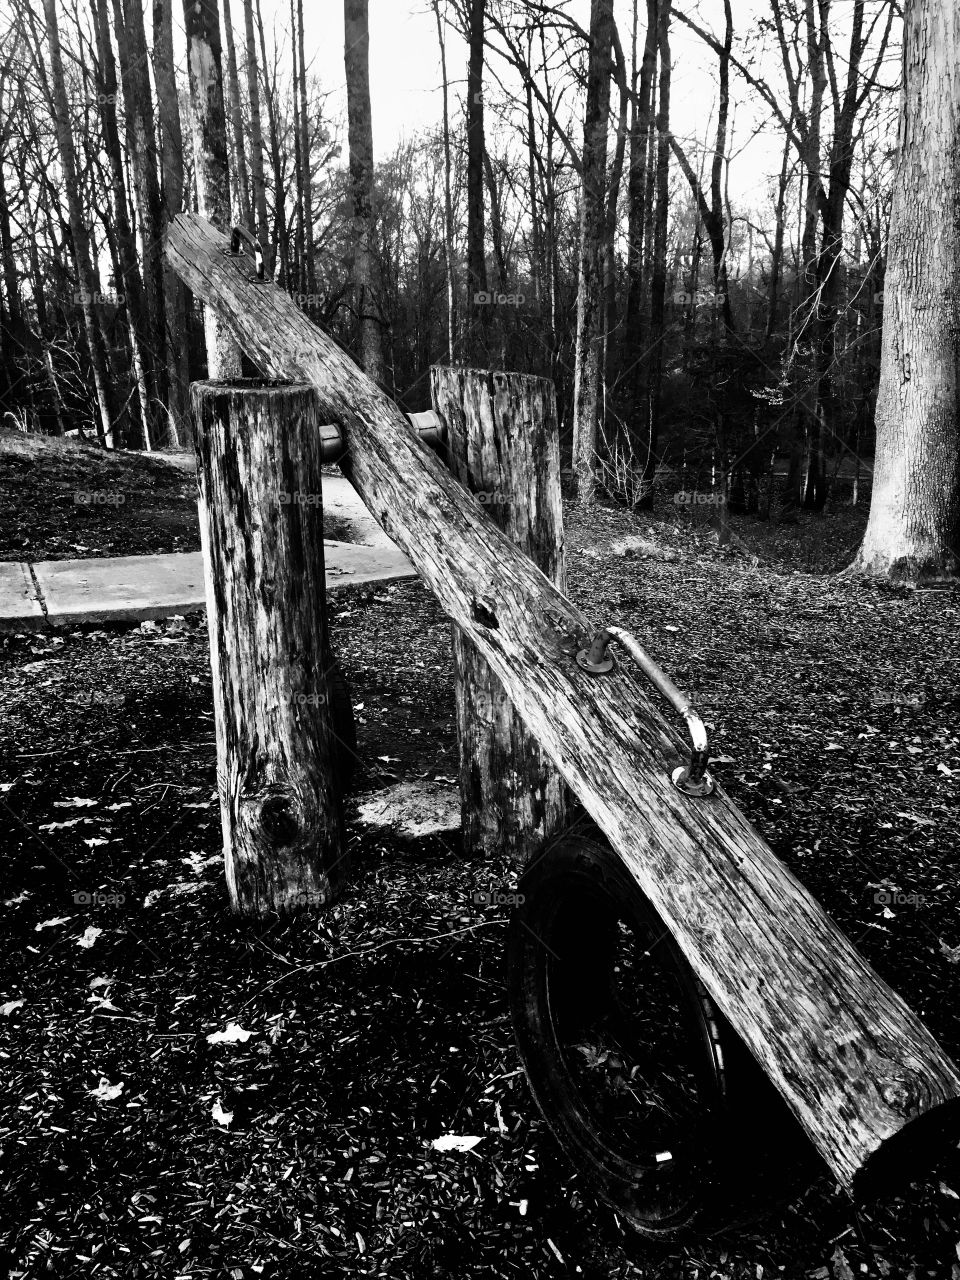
(846, 1052)
(261, 529)
(503, 444)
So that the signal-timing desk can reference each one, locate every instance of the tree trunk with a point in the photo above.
(179, 425)
(912, 530)
(357, 61)
(142, 152)
(305, 160)
(658, 273)
(586, 368)
(262, 227)
(242, 180)
(641, 128)
(281, 239)
(776, 257)
(79, 234)
(261, 523)
(447, 194)
(204, 62)
(844, 1050)
(504, 445)
(477, 346)
(141, 332)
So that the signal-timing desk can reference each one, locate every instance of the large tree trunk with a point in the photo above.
(356, 57)
(79, 234)
(854, 1063)
(586, 369)
(504, 445)
(259, 460)
(912, 530)
(175, 302)
(205, 66)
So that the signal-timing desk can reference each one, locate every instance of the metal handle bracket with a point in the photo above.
(692, 779)
(238, 234)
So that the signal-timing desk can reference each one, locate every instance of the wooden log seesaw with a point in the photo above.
(871, 1088)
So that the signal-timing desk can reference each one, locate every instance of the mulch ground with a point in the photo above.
(382, 1024)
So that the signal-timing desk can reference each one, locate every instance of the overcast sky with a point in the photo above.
(405, 76)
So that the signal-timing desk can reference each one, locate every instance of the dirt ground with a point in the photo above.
(382, 1024)
(60, 500)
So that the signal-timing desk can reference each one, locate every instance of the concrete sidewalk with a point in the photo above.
(134, 588)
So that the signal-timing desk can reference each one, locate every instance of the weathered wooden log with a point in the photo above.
(868, 1082)
(261, 527)
(503, 444)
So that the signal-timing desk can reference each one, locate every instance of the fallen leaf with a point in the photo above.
(49, 924)
(105, 1091)
(233, 1034)
(8, 1008)
(221, 1116)
(75, 802)
(89, 936)
(454, 1142)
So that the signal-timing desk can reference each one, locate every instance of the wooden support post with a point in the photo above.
(866, 1079)
(261, 525)
(503, 444)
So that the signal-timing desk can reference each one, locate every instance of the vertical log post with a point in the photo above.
(261, 524)
(504, 446)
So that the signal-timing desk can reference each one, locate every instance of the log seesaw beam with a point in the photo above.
(868, 1082)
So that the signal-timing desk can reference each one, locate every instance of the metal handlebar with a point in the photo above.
(240, 233)
(692, 779)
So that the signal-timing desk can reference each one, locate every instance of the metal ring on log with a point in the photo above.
(692, 779)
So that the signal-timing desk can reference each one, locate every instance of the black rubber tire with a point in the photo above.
(736, 1151)
(345, 731)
